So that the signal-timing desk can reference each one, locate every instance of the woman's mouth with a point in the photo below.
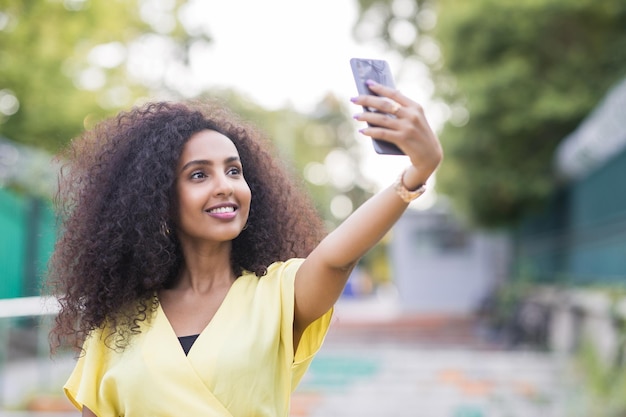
(227, 212)
(221, 210)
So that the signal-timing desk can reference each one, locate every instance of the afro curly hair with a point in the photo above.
(115, 204)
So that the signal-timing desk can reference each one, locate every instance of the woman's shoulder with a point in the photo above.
(277, 268)
(281, 268)
(278, 274)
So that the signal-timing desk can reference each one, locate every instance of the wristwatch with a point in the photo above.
(405, 194)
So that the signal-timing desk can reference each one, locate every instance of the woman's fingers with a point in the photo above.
(389, 101)
(391, 93)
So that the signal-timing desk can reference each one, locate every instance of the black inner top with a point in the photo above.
(187, 342)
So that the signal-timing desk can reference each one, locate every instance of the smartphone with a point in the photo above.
(379, 71)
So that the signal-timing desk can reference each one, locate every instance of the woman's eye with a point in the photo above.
(197, 175)
(234, 171)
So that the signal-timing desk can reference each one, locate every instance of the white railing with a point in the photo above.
(29, 374)
(28, 307)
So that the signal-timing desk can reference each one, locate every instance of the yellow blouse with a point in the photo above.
(242, 364)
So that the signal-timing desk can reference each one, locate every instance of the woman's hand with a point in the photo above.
(409, 130)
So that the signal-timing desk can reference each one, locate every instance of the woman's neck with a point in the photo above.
(205, 268)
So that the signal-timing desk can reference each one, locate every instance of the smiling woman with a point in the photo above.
(190, 271)
(159, 222)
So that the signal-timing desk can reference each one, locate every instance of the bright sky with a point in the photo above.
(290, 52)
(281, 51)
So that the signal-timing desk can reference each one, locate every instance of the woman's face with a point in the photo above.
(213, 196)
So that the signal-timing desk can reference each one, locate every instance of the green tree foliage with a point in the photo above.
(518, 76)
(528, 72)
(64, 63)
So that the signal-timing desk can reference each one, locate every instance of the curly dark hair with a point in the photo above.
(116, 202)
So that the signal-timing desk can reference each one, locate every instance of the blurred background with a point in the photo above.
(499, 293)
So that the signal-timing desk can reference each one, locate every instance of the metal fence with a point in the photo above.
(28, 231)
(580, 236)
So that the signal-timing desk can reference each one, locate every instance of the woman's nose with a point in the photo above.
(223, 185)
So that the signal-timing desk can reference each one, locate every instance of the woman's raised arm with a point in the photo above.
(322, 277)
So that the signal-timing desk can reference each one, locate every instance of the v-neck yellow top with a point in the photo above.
(242, 364)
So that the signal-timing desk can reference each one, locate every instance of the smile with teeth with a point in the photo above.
(220, 210)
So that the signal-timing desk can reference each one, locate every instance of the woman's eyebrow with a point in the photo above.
(228, 160)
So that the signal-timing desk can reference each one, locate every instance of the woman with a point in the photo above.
(177, 223)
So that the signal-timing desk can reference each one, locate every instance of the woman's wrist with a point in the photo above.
(412, 178)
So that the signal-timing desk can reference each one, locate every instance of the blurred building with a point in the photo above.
(580, 236)
(442, 267)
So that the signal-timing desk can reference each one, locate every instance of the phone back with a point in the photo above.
(370, 69)
(379, 71)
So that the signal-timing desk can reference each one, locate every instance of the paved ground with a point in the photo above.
(431, 367)
(377, 362)
(387, 380)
